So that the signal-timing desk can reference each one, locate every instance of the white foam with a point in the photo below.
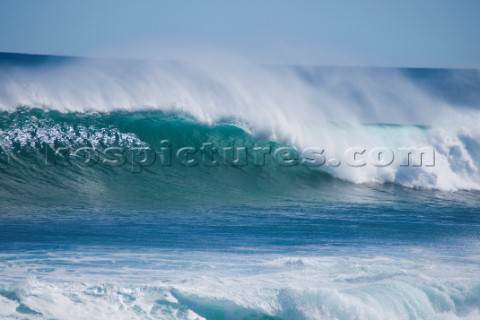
(408, 283)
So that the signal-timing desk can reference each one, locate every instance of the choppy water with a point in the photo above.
(137, 231)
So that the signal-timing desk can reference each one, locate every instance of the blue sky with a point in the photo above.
(376, 33)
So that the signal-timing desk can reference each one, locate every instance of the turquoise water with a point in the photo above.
(153, 238)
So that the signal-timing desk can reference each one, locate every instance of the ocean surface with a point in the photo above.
(228, 190)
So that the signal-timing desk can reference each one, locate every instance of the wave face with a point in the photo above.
(164, 190)
(125, 156)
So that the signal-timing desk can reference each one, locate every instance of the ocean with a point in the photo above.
(137, 189)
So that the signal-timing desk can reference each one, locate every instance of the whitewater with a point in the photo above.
(140, 239)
